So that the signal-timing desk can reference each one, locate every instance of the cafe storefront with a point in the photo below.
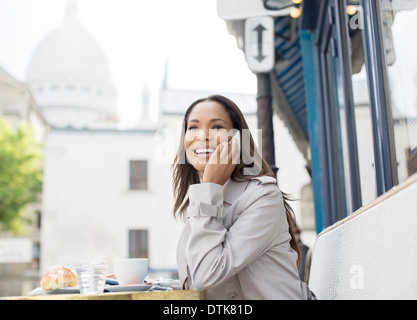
(344, 82)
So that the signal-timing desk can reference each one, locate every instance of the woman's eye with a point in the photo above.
(218, 127)
(192, 127)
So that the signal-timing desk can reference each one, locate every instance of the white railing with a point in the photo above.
(372, 254)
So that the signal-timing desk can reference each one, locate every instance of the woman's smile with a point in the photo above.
(203, 152)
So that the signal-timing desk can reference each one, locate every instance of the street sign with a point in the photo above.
(15, 250)
(242, 9)
(259, 44)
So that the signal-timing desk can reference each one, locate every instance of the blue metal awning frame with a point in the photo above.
(287, 80)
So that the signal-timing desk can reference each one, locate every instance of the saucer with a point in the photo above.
(129, 287)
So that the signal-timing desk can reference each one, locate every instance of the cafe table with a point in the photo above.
(141, 295)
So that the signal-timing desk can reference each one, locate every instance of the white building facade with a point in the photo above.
(93, 206)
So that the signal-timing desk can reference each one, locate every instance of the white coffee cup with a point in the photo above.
(130, 271)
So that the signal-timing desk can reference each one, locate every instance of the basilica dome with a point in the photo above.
(70, 77)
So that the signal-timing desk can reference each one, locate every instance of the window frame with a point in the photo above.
(136, 185)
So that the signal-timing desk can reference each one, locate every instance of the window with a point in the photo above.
(337, 140)
(138, 175)
(138, 243)
(364, 132)
(38, 219)
(399, 23)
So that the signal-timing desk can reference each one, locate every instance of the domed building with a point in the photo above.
(102, 186)
(70, 77)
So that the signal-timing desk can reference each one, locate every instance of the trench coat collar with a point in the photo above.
(233, 189)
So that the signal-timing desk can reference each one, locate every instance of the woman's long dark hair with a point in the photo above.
(185, 174)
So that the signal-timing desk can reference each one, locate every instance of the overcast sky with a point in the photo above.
(138, 37)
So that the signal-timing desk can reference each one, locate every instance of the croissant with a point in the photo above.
(58, 277)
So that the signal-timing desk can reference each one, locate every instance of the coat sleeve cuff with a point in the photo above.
(206, 199)
(209, 193)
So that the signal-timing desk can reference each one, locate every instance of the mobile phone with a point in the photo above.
(236, 135)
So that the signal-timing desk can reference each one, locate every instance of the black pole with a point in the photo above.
(265, 117)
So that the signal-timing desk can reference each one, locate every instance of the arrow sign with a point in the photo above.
(260, 29)
(259, 44)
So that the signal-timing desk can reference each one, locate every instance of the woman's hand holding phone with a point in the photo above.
(223, 162)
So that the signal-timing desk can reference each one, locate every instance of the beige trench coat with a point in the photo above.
(235, 243)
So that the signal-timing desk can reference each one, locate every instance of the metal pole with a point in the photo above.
(353, 185)
(265, 114)
(384, 146)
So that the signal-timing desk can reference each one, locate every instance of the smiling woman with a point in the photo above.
(238, 240)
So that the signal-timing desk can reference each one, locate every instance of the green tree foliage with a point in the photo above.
(20, 173)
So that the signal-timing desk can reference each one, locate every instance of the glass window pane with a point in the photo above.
(138, 243)
(400, 24)
(138, 175)
(364, 133)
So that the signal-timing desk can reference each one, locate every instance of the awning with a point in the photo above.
(288, 82)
